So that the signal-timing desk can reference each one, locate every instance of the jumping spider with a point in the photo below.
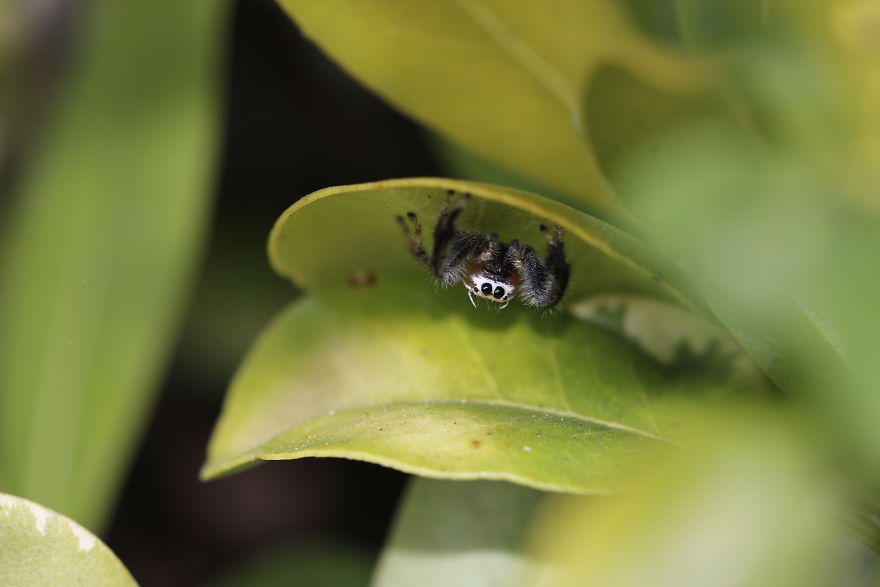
(488, 268)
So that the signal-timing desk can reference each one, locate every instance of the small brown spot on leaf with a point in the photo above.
(361, 279)
(475, 443)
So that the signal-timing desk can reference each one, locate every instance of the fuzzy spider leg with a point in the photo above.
(414, 239)
(453, 265)
(556, 261)
(491, 254)
(557, 264)
(543, 281)
(444, 232)
(451, 249)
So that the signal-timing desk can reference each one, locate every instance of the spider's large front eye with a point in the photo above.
(486, 289)
(498, 293)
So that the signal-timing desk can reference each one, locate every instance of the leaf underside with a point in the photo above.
(468, 68)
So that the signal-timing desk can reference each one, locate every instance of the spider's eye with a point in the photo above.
(498, 293)
(486, 289)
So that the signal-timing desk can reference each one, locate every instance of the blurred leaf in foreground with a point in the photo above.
(41, 547)
(745, 505)
(450, 533)
(110, 217)
(680, 341)
(774, 212)
(781, 236)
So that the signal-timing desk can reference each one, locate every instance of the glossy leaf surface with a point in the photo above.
(379, 365)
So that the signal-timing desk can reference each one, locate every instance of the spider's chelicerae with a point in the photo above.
(488, 268)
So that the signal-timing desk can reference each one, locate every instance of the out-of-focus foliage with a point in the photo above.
(11, 17)
(676, 338)
(235, 298)
(777, 218)
(505, 78)
(451, 533)
(745, 505)
(41, 547)
(378, 365)
(109, 217)
(462, 163)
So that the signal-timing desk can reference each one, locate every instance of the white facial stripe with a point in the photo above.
(478, 283)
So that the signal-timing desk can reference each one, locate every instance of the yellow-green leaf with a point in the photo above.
(337, 236)
(504, 78)
(379, 364)
(402, 376)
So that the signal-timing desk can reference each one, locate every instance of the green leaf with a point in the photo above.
(628, 119)
(505, 79)
(679, 340)
(110, 218)
(784, 260)
(460, 163)
(335, 237)
(42, 547)
(460, 534)
(379, 365)
(401, 376)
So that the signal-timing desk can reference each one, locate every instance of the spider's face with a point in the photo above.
(485, 286)
(487, 267)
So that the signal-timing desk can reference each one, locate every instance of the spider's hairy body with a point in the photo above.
(488, 268)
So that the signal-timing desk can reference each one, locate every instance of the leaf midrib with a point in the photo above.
(542, 411)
